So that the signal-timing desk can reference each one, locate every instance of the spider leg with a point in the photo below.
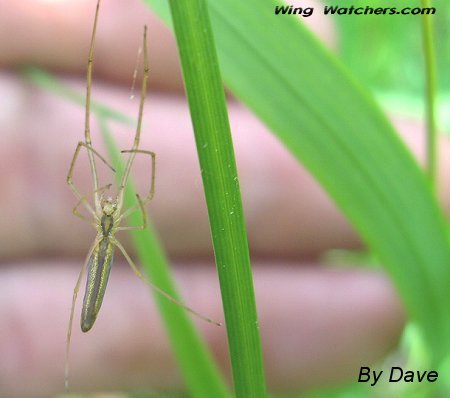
(129, 211)
(87, 128)
(74, 299)
(141, 202)
(84, 198)
(71, 184)
(137, 137)
(156, 288)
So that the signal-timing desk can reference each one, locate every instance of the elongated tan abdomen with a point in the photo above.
(99, 267)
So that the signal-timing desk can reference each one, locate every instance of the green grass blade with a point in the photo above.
(200, 372)
(430, 93)
(42, 78)
(206, 99)
(275, 65)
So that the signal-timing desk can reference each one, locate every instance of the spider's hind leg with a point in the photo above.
(156, 288)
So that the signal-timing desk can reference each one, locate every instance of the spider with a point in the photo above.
(108, 213)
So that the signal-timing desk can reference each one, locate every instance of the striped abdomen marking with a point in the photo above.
(99, 266)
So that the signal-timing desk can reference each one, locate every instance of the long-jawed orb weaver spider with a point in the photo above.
(108, 213)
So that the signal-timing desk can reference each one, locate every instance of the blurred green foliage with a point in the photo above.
(385, 51)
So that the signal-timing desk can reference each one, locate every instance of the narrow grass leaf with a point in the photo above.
(430, 93)
(206, 99)
(200, 372)
(46, 80)
(331, 124)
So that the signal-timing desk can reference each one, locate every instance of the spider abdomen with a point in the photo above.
(99, 267)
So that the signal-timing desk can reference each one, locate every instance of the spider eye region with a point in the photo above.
(109, 206)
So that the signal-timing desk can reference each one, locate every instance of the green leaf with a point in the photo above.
(206, 98)
(199, 370)
(330, 124)
(430, 90)
(42, 78)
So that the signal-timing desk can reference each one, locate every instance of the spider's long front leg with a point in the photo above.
(87, 128)
(137, 137)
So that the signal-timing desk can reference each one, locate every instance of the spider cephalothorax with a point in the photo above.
(109, 205)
